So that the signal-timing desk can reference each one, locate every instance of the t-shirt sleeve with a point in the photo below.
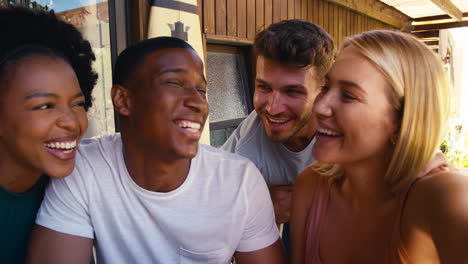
(260, 230)
(231, 143)
(65, 206)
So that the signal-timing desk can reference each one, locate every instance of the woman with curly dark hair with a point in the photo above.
(46, 81)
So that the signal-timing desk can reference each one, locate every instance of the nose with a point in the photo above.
(68, 119)
(274, 105)
(196, 100)
(323, 105)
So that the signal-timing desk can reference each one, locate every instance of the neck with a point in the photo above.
(14, 177)
(364, 184)
(298, 143)
(302, 137)
(155, 172)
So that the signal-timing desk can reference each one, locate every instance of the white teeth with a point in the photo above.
(277, 121)
(69, 146)
(192, 126)
(327, 132)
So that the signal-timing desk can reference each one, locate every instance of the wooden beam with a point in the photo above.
(449, 8)
(433, 18)
(440, 26)
(376, 10)
(427, 34)
(431, 42)
(220, 39)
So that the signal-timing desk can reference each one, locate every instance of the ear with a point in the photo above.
(396, 134)
(121, 100)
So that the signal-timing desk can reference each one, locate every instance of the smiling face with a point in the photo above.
(168, 103)
(43, 116)
(355, 118)
(283, 99)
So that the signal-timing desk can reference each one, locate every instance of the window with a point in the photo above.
(229, 95)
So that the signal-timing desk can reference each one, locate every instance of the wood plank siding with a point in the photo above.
(237, 21)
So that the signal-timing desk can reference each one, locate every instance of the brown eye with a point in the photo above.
(42, 107)
(80, 104)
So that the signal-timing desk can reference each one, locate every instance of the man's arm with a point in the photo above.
(273, 254)
(281, 198)
(49, 247)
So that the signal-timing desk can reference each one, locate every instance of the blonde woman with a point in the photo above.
(381, 117)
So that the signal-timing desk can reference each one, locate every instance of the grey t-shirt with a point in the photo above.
(277, 164)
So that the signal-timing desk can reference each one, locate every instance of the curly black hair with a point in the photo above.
(28, 32)
(298, 43)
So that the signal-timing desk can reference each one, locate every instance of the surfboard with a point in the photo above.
(178, 19)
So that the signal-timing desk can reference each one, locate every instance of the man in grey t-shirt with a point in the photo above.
(292, 58)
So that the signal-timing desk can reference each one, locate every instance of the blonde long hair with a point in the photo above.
(418, 92)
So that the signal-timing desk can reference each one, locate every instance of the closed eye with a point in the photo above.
(348, 97)
(174, 82)
(262, 87)
(201, 90)
(293, 91)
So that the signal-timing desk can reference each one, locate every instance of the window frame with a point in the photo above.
(245, 69)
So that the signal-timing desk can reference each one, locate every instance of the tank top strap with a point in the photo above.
(399, 251)
(317, 211)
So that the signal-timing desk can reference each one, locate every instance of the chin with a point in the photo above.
(276, 137)
(62, 172)
(189, 152)
(324, 157)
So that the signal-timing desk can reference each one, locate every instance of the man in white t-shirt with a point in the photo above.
(292, 58)
(152, 194)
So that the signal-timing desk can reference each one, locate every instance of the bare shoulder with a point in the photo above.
(438, 204)
(306, 187)
(308, 178)
(438, 207)
(306, 184)
(441, 190)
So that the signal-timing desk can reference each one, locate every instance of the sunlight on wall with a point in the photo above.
(458, 140)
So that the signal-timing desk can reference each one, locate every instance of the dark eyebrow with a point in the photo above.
(291, 86)
(37, 95)
(176, 70)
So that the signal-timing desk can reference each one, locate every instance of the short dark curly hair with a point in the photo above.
(27, 32)
(298, 43)
(133, 56)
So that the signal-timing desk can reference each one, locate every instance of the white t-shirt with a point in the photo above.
(222, 207)
(277, 164)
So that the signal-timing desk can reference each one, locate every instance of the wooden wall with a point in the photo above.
(237, 21)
